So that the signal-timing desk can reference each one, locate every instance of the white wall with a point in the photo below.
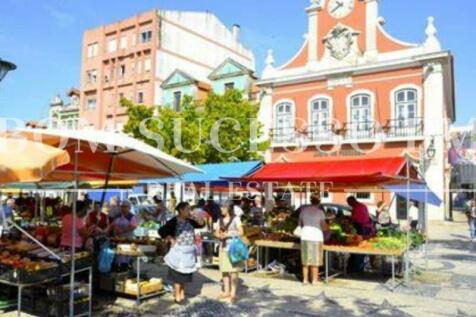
(191, 40)
(435, 126)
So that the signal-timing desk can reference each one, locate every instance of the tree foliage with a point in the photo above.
(221, 128)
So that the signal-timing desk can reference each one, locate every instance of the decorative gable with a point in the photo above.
(178, 79)
(230, 68)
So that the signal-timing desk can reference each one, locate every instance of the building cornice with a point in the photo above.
(398, 63)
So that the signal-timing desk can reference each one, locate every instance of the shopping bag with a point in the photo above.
(106, 258)
(238, 251)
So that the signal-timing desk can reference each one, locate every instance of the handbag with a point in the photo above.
(238, 251)
(106, 258)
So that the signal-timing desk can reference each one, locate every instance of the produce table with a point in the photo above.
(21, 286)
(269, 244)
(362, 251)
(139, 255)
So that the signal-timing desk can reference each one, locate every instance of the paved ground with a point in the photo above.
(447, 288)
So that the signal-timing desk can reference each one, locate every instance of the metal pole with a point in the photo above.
(73, 247)
(11, 222)
(108, 176)
(407, 260)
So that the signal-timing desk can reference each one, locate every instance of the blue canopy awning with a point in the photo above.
(214, 174)
(417, 192)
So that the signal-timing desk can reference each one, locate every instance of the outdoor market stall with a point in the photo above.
(342, 176)
(213, 179)
(98, 155)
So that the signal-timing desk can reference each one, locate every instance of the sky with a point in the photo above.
(43, 37)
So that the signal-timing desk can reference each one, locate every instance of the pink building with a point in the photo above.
(132, 58)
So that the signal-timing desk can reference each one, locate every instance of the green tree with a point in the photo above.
(221, 128)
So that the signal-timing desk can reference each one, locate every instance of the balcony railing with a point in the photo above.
(322, 132)
(398, 128)
(283, 135)
(359, 130)
(351, 131)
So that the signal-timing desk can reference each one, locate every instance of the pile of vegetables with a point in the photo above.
(150, 224)
(392, 238)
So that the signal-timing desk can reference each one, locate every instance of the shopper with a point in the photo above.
(213, 209)
(226, 228)
(182, 257)
(471, 214)
(312, 221)
(81, 230)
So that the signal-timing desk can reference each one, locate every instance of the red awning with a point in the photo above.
(374, 171)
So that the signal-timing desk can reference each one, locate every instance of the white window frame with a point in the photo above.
(148, 39)
(112, 45)
(88, 103)
(147, 65)
(355, 93)
(292, 114)
(123, 42)
(310, 109)
(121, 71)
(393, 99)
(92, 76)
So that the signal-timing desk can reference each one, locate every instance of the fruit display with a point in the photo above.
(135, 246)
(151, 225)
(25, 262)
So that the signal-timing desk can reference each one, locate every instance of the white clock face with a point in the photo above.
(340, 8)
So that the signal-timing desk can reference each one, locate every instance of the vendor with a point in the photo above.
(8, 210)
(361, 217)
(114, 208)
(81, 230)
(364, 227)
(97, 221)
(162, 214)
(124, 225)
(383, 215)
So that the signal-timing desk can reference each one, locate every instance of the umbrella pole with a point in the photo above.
(108, 176)
(73, 247)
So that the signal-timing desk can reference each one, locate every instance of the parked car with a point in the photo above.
(341, 210)
(141, 203)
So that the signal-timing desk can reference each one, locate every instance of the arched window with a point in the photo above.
(320, 117)
(406, 107)
(284, 124)
(361, 114)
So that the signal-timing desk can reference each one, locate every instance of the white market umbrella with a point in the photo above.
(101, 155)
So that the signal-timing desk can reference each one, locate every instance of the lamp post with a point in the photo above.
(427, 156)
(5, 67)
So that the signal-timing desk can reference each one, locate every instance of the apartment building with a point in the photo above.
(132, 59)
(352, 91)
